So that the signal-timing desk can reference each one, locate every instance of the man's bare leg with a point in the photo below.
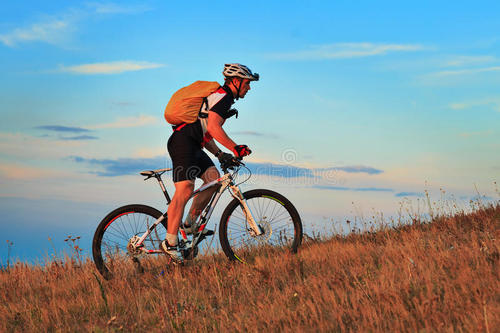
(183, 191)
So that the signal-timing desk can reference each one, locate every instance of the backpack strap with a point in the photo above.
(203, 113)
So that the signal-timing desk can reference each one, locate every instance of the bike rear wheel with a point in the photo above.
(274, 213)
(112, 237)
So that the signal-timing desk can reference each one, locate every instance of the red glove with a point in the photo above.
(241, 150)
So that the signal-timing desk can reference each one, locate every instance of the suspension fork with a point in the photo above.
(256, 230)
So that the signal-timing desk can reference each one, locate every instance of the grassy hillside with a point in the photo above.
(439, 276)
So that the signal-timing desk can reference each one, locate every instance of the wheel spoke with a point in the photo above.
(127, 222)
(117, 228)
(273, 216)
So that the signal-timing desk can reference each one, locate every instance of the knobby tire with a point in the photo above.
(275, 213)
(115, 230)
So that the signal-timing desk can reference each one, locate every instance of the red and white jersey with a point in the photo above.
(220, 102)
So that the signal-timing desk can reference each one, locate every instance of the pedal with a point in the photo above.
(190, 254)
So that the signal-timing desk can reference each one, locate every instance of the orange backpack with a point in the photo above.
(186, 103)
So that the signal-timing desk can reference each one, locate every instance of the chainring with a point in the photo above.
(133, 250)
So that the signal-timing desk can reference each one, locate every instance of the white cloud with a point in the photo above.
(125, 122)
(149, 152)
(458, 106)
(470, 71)
(57, 29)
(23, 172)
(346, 50)
(114, 67)
(460, 75)
(27, 147)
(52, 31)
(492, 103)
(26, 181)
(459, 61)
(113, 8)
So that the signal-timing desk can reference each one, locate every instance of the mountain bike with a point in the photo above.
(252, 220)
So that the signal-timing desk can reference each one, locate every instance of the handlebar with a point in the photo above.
(231, 164)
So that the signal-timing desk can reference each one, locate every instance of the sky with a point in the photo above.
(361, 106)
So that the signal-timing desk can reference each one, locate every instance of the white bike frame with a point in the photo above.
(225, 181)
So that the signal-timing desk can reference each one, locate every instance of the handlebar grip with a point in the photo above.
(234, 162)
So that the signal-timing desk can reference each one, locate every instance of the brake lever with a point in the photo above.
(238, 160)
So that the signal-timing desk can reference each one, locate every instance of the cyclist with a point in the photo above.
(185, 147)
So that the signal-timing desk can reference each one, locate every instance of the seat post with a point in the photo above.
(164, 190)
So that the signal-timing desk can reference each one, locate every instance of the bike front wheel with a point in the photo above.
(111, 246)
(275, 215)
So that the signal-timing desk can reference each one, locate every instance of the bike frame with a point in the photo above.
(226, 181)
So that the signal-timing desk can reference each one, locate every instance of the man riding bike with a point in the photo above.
(185, 147)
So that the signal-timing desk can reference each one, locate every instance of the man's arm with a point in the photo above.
(212, 147)
(214, 127)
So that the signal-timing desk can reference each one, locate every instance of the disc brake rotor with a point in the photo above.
(268, 231)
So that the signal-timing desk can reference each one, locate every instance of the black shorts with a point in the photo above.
(188, 158)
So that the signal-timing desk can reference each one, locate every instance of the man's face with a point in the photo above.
(245, 86)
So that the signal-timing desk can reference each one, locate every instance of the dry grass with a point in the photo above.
(439, 276)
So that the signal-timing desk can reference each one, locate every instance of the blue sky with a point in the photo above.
(360, 104)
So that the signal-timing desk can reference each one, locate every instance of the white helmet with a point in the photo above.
(239, 70)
